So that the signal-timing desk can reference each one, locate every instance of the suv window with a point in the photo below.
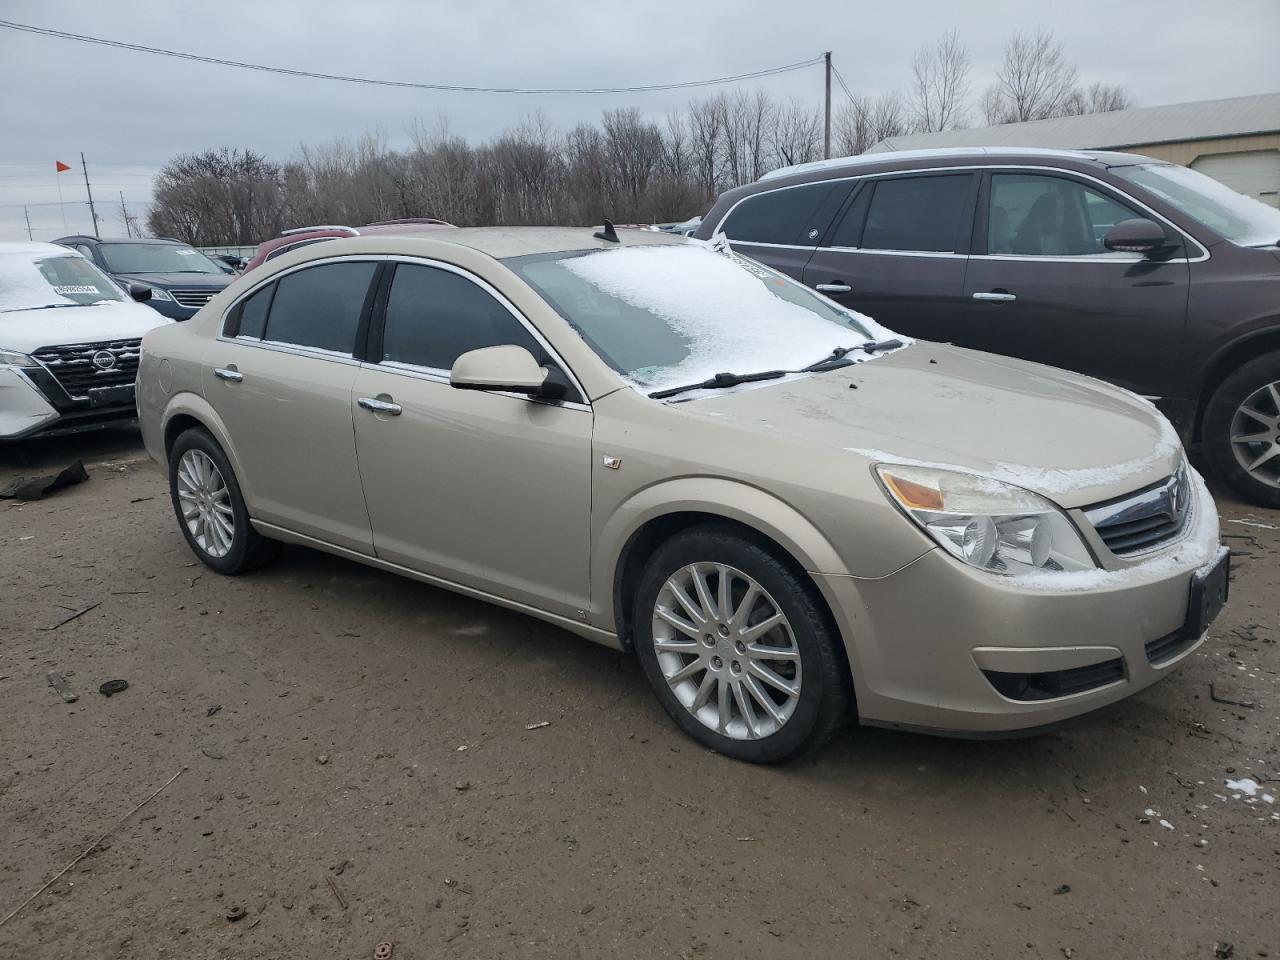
(917, 213)
(1045, 216)
(320, 307)
(249, 318)
(779, 216)
(433, 316)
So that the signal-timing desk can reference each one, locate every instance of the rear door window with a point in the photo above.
(788, 216)
(433, 316)
(319, 307)
(1046, 216)
(922, 214)
(249, 317)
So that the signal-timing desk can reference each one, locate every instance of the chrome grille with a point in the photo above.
(193, 297)
(73, 366)
(1146, 518)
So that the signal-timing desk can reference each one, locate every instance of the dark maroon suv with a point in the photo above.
(1136, 271)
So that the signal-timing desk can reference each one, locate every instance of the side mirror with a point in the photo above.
(508, 368)
(139, 292)
(1138, 235)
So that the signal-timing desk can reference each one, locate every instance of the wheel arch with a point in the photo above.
(1229, 358)
(187, 410)
(659, 512)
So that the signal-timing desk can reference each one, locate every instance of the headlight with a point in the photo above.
(158, 294)
(11, 358)
(988, 524)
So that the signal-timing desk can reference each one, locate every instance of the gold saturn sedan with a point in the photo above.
(792, 516)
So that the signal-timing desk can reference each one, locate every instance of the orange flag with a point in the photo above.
(59, 166)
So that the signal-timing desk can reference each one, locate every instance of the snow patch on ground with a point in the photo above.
(1247, 786)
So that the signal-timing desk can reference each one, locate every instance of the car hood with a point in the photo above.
(27, 330)
(196, 281)
(1070, 438)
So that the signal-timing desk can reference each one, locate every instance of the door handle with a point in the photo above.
(230, 374)
(833, 288)
(380, 406)
(996, 296)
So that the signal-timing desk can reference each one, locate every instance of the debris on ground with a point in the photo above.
(37, 488)
(462, 785)
(1216, 698)
(212, 710)
(1065, 888)
(322, 759)
(537, 726)
(237, 913)
(383, 950)
(75, 616)
(341, 868)
(1224, 951)
(111, 687)
(333, 885)
(62, 687)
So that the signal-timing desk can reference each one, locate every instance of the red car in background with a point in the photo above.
(302, 236)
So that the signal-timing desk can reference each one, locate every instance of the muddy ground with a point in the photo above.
(334, 723)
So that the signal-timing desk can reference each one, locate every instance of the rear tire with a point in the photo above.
(1243, 448)
(210, 509)
(763, 694)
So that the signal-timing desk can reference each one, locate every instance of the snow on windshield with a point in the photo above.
(28, 283)
(733, 315)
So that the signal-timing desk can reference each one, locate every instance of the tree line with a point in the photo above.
(628, 167)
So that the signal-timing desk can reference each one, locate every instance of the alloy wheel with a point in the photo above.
(206, 503)
(727, 651)
(1255, 434)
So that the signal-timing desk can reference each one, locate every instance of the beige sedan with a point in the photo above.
(794, 518)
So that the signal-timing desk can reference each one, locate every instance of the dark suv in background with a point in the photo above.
(181, 278)
(1143, 273)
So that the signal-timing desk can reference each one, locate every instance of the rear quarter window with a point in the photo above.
(320, 307)
(785, 216)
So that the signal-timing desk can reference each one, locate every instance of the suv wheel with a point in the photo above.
(739, 648)
(210, 509)
(1241, 430)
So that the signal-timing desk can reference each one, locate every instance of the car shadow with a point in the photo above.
(55, 452)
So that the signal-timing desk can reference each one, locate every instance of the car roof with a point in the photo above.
(497, 242)
(81, 238)
(36, 249)
(906, 159)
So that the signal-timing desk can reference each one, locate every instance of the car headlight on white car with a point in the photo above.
(11, 358)
(988, 524)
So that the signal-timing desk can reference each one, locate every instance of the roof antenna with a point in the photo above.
(608, 233)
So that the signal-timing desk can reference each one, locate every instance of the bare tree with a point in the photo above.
(1035, 80)
(706, 126)
(940, 84)
(797, 134)
(1098, 98)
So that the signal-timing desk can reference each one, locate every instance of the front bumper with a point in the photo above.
(26, 410)
(930, 645)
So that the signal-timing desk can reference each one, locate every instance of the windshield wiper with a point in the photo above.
(718, 381)
(836, 358)
(49, 306)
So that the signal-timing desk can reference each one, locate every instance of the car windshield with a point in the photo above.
(156, 258)
(1241, 219)
(669, 315)
(30, 282)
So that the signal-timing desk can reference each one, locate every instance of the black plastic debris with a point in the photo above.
(112, 687)
(37, 488)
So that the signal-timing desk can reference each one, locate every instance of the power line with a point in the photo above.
(843, 86)
(447, 87)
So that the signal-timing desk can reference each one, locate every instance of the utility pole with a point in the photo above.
(124, 215)
(826, 135)
(94, 213)
(28, 216)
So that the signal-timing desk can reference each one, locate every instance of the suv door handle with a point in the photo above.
(833, 288)
(228, 373)
(380, 406)
(996, 296)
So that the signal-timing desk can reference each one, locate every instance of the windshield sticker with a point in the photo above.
(75, 288)
(186, 253)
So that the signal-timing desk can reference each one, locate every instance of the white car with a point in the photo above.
(69, 342)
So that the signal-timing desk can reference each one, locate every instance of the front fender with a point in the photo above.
(750, 506)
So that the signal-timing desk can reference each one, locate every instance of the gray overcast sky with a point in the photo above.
(129, 112)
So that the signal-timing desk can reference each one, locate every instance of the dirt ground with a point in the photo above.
(356, 767)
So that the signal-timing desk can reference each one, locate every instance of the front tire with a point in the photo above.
(1241, 431)
(210, 509)
(739, 648)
